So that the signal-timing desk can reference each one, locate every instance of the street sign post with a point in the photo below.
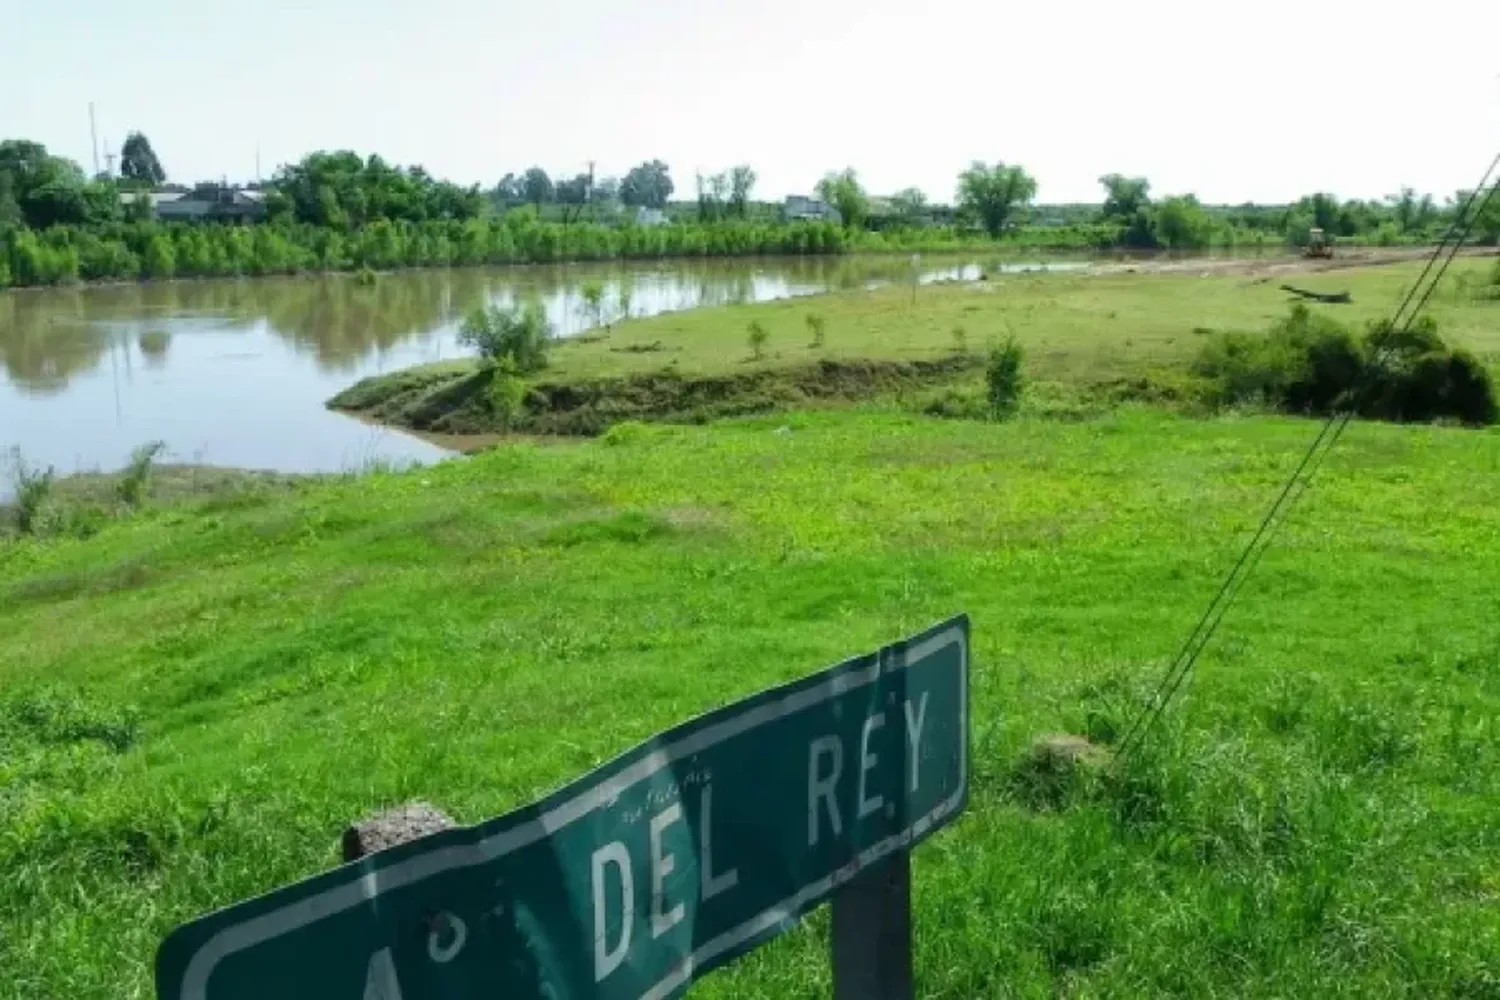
(632, 880)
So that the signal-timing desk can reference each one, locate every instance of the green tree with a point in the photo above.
(842, 190)
(909, 203)
(741, 183)
(509, 192)
(1127, 200)
(49, 190)
(648, 185)
(1182, 224)
(1486, 214)
(1125, 197)
(536, 186)
(994, 193)
(138, 161)
(572, 195)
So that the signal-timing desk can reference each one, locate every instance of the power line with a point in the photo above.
(1312, 460)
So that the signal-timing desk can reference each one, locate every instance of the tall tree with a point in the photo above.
(909, 203)
(138, 161)
(572, 195)
(994, 193)
(741, 183)
(1124, 196)
(49, 190)
(1182, 224)
(537, 187)
(648, 185)
(510, 191)
(842, 190)
(1127, 200)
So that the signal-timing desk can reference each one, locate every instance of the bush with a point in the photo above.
(593, 302)
(1309, 363)
(1002, 378)
(522, 335)
(135, 482)
(33, 488)
(757, 336)
(957, 404)
(507, 393)
(817, 326)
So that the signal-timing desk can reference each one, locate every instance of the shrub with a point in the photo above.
(757, 337)
(135, 482)
(817, 326)
(521, 334)
(33, 488)
(957, 404)
(1310, 363)
(507, 393)
(593, 302)
(365, 277)
(1002, 378)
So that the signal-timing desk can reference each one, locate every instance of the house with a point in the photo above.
(650, 217)
(212, 202)
(800, 208)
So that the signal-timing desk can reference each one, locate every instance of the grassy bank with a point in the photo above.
(196, 699)
(1087, 338)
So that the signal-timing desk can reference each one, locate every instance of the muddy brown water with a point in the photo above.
(236, 373)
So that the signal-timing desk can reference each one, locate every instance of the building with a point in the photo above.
(650, 217)
(800, 208)
(206, 202)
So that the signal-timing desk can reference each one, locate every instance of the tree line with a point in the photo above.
(339, 210)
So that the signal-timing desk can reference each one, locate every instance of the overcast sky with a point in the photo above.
(1260, 101)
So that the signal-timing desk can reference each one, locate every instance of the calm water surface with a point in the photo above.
(236, 373)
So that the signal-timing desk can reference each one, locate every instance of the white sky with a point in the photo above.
(1260, 101)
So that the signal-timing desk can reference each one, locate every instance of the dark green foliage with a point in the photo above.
(1310, 363)
(138, 161)
(1002, 378)
(1180, 223)
(647, 186)
(341, 189)
(516, 339)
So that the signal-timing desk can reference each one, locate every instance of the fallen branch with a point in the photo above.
(1333, 298)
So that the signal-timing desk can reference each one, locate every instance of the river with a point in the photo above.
(236, 373)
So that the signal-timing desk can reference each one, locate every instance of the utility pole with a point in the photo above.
(109, 160)
(257, 164)
(94, 137)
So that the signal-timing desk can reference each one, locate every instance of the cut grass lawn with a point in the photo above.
(194, 701)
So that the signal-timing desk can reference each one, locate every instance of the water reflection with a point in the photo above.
(236, 372)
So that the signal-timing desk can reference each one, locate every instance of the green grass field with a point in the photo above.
(194, 701)
(1087, 337)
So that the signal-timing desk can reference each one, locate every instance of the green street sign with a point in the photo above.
(671, 860)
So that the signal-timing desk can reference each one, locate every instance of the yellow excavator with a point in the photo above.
(1318, 244)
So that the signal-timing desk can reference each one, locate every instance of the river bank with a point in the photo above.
(1090, 339)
